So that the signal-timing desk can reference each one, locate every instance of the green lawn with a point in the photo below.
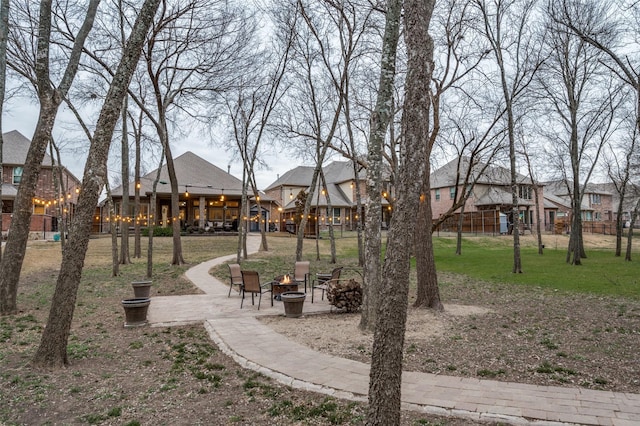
(483, 258)
(600, 273)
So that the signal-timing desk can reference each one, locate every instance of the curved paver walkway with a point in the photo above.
(253, 345)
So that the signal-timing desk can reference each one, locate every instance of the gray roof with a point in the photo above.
(335, 172)
(9, 191)
(446, 176)
(559, 187)
(551, 201)
(500, 196)
(15, 147)
(193, 173)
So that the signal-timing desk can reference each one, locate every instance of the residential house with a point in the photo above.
(629, 204)
(210, 199)
(341, 191)
(489, 207)
(597, 207)
(56, 190)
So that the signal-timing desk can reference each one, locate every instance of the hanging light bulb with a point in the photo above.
(186, 191)
(222, 195)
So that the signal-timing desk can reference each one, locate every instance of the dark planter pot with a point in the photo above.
(135, 311)
(141, 288)
(293, 302)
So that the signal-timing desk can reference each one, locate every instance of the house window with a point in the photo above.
(336, 216)
(595, 199)
(524, 192)
(17, 175)
(7, 206)
(452, 193)
(597, 216)
(437, 194)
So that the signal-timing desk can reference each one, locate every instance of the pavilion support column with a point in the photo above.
(202, 207)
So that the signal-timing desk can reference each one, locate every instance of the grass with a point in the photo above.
(194, 362)
(484, 258)
(601, 273)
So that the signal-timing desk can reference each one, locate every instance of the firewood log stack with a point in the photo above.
(345, 294)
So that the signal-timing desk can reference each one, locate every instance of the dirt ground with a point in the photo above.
(508, 333)
(177, 376)
(144, 375)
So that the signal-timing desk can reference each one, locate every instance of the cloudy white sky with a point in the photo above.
(22, 114)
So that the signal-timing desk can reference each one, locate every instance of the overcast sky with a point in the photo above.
(21, 114)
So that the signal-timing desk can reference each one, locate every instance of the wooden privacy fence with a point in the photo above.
(488, 222)
(482, 222)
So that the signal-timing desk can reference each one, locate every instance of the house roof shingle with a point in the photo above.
(481, 173)
(193, 173)
(15, 147)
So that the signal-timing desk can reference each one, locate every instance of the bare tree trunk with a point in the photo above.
(459, 233)
(428, 293)
(4, 31)
(619, 227)
(124, 213)
(386, 359)
(380, 119)
(241, 221)
(575, 248)
(318, 226)
(60, 194)
(175, 194)
(308, 203)
(115, 261)
(50, 99)
(151, 222)
(332, 238)
(137, 246)
(52, 351)
(536, 190)
(632, 222)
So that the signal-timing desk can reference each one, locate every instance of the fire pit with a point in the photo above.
(282, 284)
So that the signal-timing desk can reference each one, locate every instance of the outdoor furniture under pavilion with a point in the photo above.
(251, 284)
(235, 275)
(322, 280)
(301, 273)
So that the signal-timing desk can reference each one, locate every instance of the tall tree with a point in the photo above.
(195, 51)
(52, 351)
(583, 100)
(508, 30)
(381, 117)
(320, 75)
(600, 24)
(460, 58)
(252, 102)
(386, 359)
(620, 164)
(50, 97)
(124, 159)
(4, 32)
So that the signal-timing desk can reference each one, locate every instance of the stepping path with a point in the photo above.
(256, 346)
